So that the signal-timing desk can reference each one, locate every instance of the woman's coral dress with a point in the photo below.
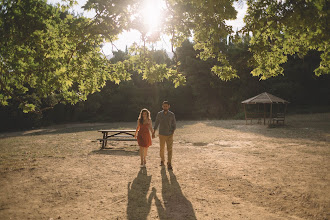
(143, 138)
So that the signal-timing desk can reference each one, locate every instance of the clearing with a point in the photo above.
(222, 169)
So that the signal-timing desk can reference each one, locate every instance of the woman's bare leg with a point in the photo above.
(141, 154)
(145, 154)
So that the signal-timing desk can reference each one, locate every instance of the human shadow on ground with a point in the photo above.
(176, 205)
(139, 205)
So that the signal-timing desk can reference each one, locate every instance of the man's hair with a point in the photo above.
(166, 102)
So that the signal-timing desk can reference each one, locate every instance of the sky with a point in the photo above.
(128, 38)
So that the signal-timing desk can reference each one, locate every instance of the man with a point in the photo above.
(167, 125)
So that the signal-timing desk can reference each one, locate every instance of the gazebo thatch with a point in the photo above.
(265, 99)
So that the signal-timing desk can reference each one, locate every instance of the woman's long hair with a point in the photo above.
(140, 116)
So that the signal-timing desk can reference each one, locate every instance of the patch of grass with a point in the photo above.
(239, 116)
(199, 144)
(308, 109)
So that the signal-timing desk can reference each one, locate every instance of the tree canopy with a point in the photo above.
(49, 55)
(287, 27)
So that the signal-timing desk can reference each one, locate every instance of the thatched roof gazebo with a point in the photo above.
(266, 99)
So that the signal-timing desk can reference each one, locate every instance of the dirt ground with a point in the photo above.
(222, 169)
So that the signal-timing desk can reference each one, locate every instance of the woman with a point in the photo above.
(142, 134)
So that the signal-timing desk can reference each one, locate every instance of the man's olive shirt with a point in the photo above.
(166, 122)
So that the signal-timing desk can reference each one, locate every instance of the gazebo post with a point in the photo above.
(264, 113)
(245, 114)
(271, 112)
(286, 104)
(258, 115)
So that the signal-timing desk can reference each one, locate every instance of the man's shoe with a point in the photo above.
(161, 163)
(169, 166)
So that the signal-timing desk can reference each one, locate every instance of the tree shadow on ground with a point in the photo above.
(176, 205)
(69, 128)
(313, 127)
(139, 205)
(117, 151)
(296, 126)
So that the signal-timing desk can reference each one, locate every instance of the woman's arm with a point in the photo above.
(137, 128)
(150, 126)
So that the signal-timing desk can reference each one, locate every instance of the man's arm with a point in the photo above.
(173, 123)
(156, 125)
(156, 122)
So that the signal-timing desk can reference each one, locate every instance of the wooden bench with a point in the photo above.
(116, 135)
(278, 117)
(254, 116)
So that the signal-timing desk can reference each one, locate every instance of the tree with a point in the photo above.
(278, 28)
(204, 20)
(287, 27)
(48, 56)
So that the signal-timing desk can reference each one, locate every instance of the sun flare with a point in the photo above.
(152, 14)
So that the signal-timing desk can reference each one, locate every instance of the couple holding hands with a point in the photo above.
(165, 119)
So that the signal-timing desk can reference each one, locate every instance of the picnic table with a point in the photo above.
(278, 117)
(116, 135)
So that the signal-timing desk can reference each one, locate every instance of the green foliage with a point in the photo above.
(204, 95)
(284, 28)
(49, 56)
(150, 64)
(279, 29)
(46, 52)
(206, 20)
